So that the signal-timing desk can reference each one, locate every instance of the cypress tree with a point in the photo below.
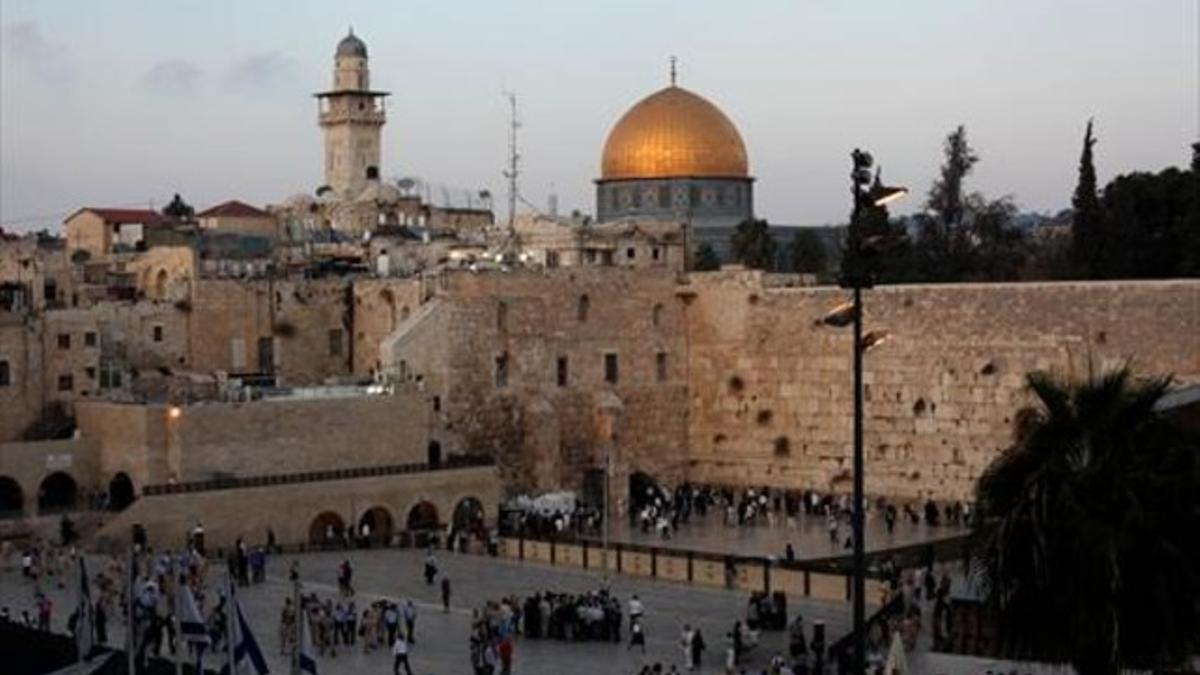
(1087, 235)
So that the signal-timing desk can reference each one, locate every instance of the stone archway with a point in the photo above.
(57, 493)
(12, 498)
(423, 516)
(327, 530)
(120, 492)
(380, 524)
(468, 514)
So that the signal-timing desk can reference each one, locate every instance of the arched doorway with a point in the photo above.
(327, 530)
(57, 493)
(12, 499)
(423, 516)
(120, 492)
(160, 285)
(379, 522)
(642, 490)
(434, 456)
(468, 515)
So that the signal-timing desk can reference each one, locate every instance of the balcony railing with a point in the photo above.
(233, 483)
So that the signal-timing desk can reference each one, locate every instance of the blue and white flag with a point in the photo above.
(247, 658)
(192, 627)
(84, 618)
(306, 658)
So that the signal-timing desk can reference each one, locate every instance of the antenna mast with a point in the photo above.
(512, 172)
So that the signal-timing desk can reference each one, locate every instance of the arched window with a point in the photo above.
(12, 499)
(57, 493)
(585, 304)
(372, 173)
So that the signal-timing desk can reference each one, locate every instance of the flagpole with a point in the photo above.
(299, 627)
(230, 617)
(130, 627)
(177, 576)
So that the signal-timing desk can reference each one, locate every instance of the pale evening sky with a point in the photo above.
(118, 103)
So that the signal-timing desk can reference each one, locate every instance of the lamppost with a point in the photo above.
(857, 274)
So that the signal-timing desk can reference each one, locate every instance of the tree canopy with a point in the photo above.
(706, 259)
(753, 245)
(1085, 539)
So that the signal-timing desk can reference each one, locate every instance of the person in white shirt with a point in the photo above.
(400, 654)
(636, 610)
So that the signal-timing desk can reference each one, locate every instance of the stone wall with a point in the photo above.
(489, 347)
(292, 509)
(30, 463)
(770, 395)
(229, 318)
(157, 444)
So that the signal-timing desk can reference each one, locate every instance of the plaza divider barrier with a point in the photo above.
(827, 579)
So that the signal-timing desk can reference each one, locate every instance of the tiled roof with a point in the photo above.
(143, 216)
(233, 209)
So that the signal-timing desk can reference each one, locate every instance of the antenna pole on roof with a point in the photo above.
(513, 170)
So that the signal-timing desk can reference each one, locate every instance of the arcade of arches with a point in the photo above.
(58, 493)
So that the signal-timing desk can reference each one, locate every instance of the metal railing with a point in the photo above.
(232, 483)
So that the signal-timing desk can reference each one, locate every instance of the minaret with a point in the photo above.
(352, 116)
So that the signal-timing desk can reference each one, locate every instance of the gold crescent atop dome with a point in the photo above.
(674, 133)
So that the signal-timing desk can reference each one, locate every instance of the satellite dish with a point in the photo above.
(406, 184)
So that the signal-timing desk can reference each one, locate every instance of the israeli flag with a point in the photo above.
(247, 657)
(191, 624)
(307, 661)
(84, 619)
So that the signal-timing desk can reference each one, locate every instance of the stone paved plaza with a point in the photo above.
(809, 536)
(442, 639)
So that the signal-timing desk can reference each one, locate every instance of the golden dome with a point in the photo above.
(673, 133)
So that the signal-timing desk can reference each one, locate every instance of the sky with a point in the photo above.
(123, 103)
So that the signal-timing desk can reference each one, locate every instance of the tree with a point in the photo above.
(753, 245)
(806, 253)
(707, 259)
(946, 198)
(944, 247)
(179, 209)
(1085, 536)
(1152, 225)
(1086, 223)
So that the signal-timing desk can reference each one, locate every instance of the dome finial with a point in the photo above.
(674, 60)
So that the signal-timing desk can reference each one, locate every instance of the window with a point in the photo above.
(552, 259)
(64, 340)
(584, 305)
(502, 370)
(656, 315)
(89, 339)
(5, 374)
(561, 374)
(237, 353)
(266, 354)
(91, 373)
(660, 366)
(158, 333)
(502, 316)
(630, 253)
(611, 371)
(66, 383)
(335, 341)
(654, 253)
(437, 404)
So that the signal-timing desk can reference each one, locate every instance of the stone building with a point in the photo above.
(236, 217)
(675, 156)
(101, 231)
(352, 116)
(554, 242)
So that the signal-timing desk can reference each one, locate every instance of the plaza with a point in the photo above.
(441, 644)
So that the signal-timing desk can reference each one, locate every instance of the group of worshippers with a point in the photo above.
(595, 615)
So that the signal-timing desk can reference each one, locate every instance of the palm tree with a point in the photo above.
(1087, 540)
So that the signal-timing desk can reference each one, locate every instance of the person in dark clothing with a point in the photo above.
(445, 594)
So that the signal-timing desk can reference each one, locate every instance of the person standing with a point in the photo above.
(637, 636)
(430, 567)
(410, 621)
(506, 655)
(400, 656)
(697, 648)
(445, 594)
(636, 610)
(391, 621)
(685, 641)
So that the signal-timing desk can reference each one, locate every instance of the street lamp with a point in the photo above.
(857, 275)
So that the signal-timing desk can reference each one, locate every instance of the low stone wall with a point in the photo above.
(689, 567)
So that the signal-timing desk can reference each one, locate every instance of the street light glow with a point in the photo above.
(887, 195)
(175, 412)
